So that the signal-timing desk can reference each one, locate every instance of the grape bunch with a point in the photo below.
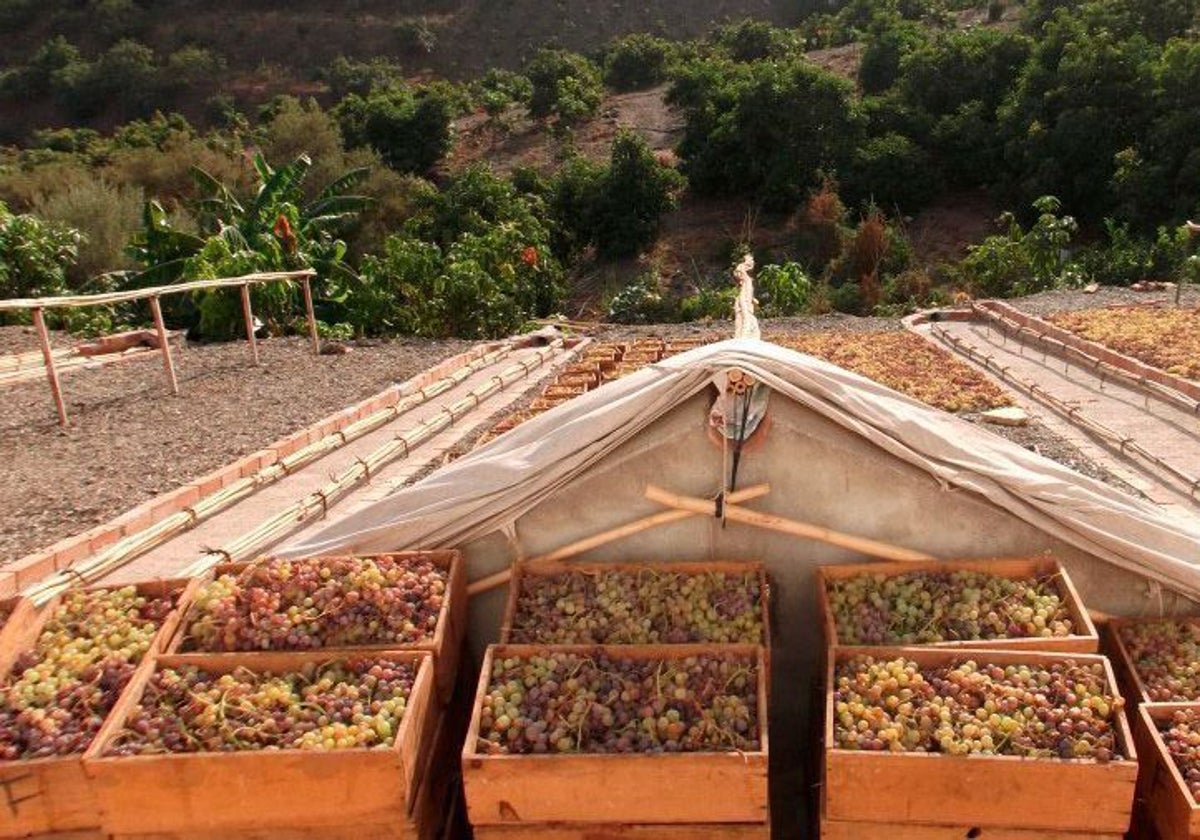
(1166, 654)
(319, 603)
(558, 702)
(58, 694)
(358, 703)
(642, 607)
(929, 607)
(1181, 734)
(1063, 710)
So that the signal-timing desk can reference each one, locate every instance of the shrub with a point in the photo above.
(415, 36)
(782, 289)
(106, 215)
(346, 76)
(566, 85)
(636, 62)
(34, 255)
(498, 89)
(634, 194)
(1021, 262)
(641, 302)
(891, 171)
(752, 40)
(886, 48)
(410, 128)
(708, 304)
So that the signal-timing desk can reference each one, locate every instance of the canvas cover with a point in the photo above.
(490, 488)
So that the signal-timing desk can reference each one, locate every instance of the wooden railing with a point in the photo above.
(38, 306)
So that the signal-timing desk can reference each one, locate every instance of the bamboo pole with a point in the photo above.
(39, 321)
(135, 545)
(306, 285)
(783, 525)
(248, 313)
(551, 561)
(168, 365)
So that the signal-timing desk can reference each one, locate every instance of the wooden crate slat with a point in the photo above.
(262, 790)
(1085, 639)
(51, 795)
(445, 646)
(732, 831)
(977, 790)
(1169, 804)
(521, 572)
(670, 788)
(845, 830)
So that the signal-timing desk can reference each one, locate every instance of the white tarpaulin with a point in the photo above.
(493, 486)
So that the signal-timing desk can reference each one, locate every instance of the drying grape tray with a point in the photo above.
(616, 789)
(445, 646)
(521, 572)
(1130, 680)
(1168, 802)
(223, 794)
(978, 790)
(1085, 642)
(54, 794)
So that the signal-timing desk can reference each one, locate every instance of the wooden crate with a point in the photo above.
(1169, 804)
(16, 630)
(1087, 641)
(522, 572)
(265, 792)
(668, 788)
(445, 646)
(979, 791)
(567, 831)
(1127, 673)
(44, 795)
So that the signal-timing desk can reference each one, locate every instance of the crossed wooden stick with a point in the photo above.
(685, 507)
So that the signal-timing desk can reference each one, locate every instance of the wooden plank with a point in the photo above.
(1086, 639)
(845, 830)
(668, 788)
(445, 645)
(43, 795)
(261, 791)
(310, 315)
(1170, 805)
(987, 791)
(567, 831)
(248, 316)
(523, 571)
(39, 321)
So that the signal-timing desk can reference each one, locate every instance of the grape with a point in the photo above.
(1166, 655)
(1181, 734)
(339, 705)
(642, 607)
(319, 603)
(58, 694)
(1062, 710)
(555, 702)
(930, 607)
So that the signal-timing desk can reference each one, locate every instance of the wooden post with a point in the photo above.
(249, 313)
(168, 365)
(306, 283)
(39, 321)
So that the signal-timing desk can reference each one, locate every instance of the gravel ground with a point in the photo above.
(130, 441)
(1068, 300)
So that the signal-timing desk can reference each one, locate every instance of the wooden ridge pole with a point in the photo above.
(39, 321)
(168, 365)
(783, 525)
(306, 285)
(553, 560)
(248, 313)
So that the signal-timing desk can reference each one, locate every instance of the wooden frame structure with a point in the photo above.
(38, 306)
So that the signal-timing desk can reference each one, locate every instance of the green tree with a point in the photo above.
(566, 85)
(637, 61)
(410, 128)
(35, 255)
(634, 194)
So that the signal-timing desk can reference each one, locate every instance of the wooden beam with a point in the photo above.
(770, 522)
(547, 562)
(165, 344)
(306, 285)
(248, 313)
(39, 321)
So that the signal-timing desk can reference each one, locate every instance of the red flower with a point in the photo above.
(530, 256)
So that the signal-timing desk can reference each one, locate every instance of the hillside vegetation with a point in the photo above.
(447, 172)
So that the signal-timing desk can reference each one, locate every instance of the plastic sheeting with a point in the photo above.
(492, 487)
